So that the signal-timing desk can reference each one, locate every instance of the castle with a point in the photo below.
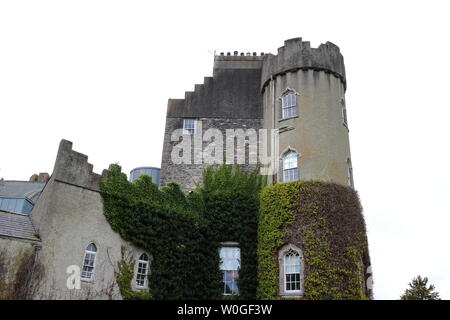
(298, 96)
(299, 93)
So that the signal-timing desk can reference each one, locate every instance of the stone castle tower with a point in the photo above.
(299, 92)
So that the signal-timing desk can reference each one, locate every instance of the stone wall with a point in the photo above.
(230, 99)
(317, 133)
(69, 216)
(12, 253)
(190, 174)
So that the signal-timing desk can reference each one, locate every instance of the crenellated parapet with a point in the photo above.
(73, 168)
(298, 55)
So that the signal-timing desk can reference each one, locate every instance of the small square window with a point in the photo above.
(189, 126)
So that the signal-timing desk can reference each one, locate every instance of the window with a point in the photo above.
(230, 263)
(292, 271)
(350, 172)
(290, 260)
(344, 112)
(189, 126)
(290, 169)
(289, 105)
(89, 262)
(142, 270)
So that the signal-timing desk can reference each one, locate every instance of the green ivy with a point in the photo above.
(325, 221)
(124, 278)
(183, 232)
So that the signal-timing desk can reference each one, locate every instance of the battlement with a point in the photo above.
(239, 56)
(73, 168)
(237, 61)
(298, 55)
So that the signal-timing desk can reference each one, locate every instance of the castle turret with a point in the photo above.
(303, 92)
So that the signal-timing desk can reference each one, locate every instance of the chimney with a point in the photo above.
(42, 177)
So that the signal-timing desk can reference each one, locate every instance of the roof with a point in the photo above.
(21, 189)
(17, 225)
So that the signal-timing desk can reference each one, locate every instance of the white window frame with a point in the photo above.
(344, 113)
(350, 173)
(235, 272)
(284, 157)
(289, 105)
(189, 130)
(91, 253)
(297, 255)
(146, 264)
(283, 251)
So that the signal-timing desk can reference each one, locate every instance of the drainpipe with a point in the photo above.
(272, 80)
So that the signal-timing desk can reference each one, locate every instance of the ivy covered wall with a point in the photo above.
(325, 221)
(183, 232)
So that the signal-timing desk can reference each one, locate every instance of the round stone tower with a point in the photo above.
(303, 94)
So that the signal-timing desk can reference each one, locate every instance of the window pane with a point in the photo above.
(230, 258)
(143, 257)
(292, 265)
(290, 175)
(189, 126)
(141, 273)
(91, 247)
(230, 282)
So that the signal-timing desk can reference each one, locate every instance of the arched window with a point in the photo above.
(288, 104)
(292, 267)
(89, 262)
(230, 257)
(350, 172)
(290, 261)
(142, 270)
(290, 166)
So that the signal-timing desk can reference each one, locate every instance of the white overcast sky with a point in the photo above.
(99, 74)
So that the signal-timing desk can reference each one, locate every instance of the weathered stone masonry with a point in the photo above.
(245, 92)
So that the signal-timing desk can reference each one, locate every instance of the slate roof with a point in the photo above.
(17, 225)
(20, 189)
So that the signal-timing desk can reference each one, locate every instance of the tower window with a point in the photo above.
(230, 263)
(142, 270)
(89, 262)
(292, 267)
(290, 166)
(189, 126)
(289, 105)
(344, 112)
(291, 270)
(350, 173)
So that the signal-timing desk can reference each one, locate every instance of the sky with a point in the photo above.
(99, 73)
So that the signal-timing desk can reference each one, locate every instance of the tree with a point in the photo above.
(419, 290)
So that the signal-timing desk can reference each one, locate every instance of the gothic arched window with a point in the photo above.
(291, 268)
(89, 262)
(142, 271)
(288, 104)
(290, 166)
